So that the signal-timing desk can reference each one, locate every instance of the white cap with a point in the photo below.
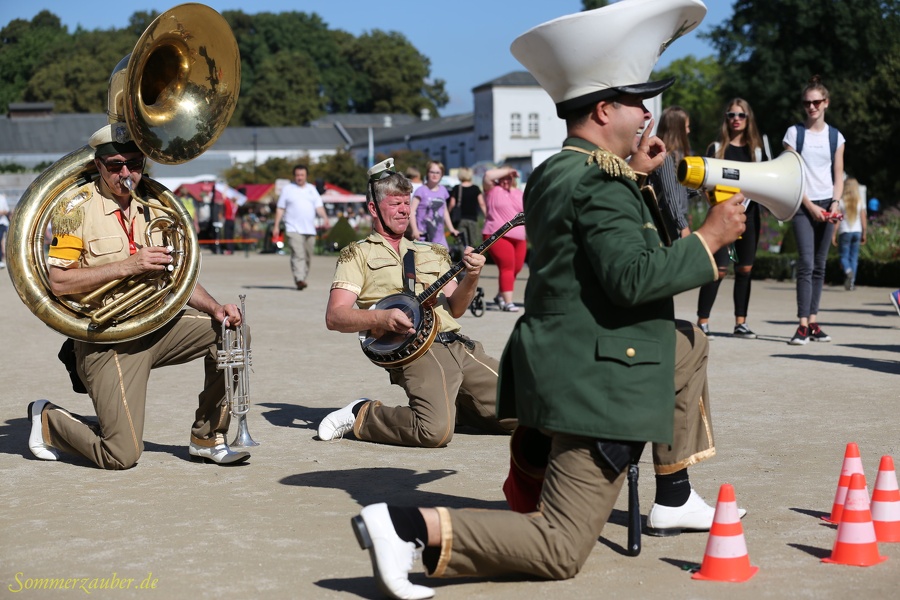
(598, 54)
(112, 139)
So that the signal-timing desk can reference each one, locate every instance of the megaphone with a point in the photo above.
(778, 184)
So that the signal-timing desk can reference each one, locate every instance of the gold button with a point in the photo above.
(630, 353)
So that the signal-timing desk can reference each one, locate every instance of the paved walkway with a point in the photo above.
(278, 527)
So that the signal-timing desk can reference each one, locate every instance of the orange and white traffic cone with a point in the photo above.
(852, 464)
(856, 544)
(886, 502)
(726, 557)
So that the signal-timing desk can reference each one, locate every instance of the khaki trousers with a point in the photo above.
(692, 439)
(576, 500)
(449, 384)
(116, 378)
(303, 246)
(578, 494)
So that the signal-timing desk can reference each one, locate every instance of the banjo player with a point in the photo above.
(453, 381)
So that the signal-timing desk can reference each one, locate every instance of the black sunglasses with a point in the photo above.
(115, 166)
(733, 115)
(816, 103)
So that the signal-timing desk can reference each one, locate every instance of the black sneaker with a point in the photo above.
(817, 335)
(801, 338)
(742, 331)
(704, 327)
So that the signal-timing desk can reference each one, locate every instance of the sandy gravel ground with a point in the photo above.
(278, 527)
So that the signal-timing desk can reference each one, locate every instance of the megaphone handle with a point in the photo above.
(721, 193)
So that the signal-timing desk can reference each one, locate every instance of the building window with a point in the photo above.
(533, 127)
(515, 125)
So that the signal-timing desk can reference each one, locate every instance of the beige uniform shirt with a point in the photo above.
(371, 269)
(87, 231)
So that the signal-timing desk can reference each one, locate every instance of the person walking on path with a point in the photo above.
(822, 149)
(850, 233)
(298, 206)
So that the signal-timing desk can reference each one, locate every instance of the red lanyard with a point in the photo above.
(129, 232)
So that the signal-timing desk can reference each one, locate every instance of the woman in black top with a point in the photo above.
(739, 140)
(466, 204)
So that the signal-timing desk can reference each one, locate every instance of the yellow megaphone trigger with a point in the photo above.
(721, 193)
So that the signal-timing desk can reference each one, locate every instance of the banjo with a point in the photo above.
(391, 350)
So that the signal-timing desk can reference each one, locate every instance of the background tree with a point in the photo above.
(698, 91)
(340, 169)
(267, 172)
(397, 75)
(592, 4)
(406, 158)
(75, 76)
(770, 48)
(293, 67)
(286, 92)
(23, 49)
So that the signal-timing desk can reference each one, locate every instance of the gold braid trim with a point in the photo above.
(607, 161)
(441, 251)
(69, 214)
(348, 252)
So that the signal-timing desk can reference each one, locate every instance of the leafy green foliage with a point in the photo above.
(342, 170)
(698, 91)
(592, 4)
(24, 47)
(267, 172)
(285, 93)
(293, 67)
(397, 75)
(769, 49)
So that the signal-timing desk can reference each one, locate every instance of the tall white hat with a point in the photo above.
(598, 54)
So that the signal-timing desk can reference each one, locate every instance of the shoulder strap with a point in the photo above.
(832, 141)
(801, 133)
(409, 271)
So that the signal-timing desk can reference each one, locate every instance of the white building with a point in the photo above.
(514, 122)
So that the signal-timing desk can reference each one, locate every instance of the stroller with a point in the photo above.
(456, 254)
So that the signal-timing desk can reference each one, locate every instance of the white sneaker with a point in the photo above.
(339, 422)
(36, 443)
(392, 558)
(693, 515)
(220, 454)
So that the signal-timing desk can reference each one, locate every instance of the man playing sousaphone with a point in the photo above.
(453, 380)
(98, 237)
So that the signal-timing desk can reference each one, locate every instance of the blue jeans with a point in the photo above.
(848, 243)
(813, 240)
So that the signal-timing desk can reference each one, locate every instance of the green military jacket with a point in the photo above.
(594, 353)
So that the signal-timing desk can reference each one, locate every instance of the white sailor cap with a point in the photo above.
(595, 55)
(112, 139)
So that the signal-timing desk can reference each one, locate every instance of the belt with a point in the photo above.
(448, 337)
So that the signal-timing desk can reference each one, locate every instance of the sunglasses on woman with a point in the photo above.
(734, 115)
(815, 103)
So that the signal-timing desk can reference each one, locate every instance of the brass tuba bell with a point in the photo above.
(175, 92)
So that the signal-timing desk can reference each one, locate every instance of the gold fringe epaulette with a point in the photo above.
(348, 252)
(441, 251)
(607, 161)
(69, 215)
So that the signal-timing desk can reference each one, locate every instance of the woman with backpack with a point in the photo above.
(822, 149)
(739, 140)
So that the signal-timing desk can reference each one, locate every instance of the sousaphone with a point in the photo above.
(175, 93)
